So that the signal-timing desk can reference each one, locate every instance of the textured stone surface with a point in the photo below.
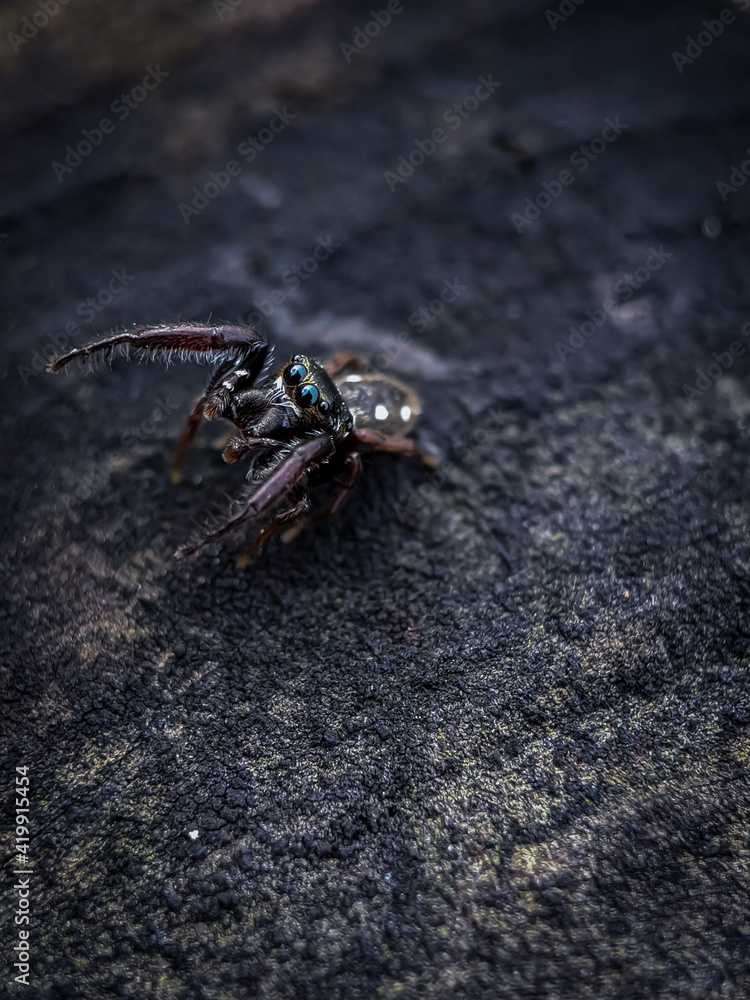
(483, 740)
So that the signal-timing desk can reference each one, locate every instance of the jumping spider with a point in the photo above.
(304, 425)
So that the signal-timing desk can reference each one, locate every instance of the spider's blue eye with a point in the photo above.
(294, 374)
(307, 395)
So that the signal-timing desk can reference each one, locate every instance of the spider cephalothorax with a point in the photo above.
(302, 426)
(313, 397)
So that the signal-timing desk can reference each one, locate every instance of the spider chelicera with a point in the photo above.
(302, 426)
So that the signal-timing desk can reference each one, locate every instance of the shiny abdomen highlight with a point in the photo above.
(381, 402)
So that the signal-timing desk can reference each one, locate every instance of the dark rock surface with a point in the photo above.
(482, 739)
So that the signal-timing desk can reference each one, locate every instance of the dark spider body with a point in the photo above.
(303, 426)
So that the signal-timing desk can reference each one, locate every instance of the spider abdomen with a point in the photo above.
(380, 402)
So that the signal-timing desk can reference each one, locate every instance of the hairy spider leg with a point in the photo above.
(193, 341)
(283, 479)
(345, 482)
(401, 446)
(300, 508)
(240, 445)
(186, 439)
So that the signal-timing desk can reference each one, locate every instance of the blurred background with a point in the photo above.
(353, 104)
(485, 734)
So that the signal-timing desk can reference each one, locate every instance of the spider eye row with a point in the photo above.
(307, 395)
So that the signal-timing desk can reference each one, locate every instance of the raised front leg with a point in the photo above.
(189, 341)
